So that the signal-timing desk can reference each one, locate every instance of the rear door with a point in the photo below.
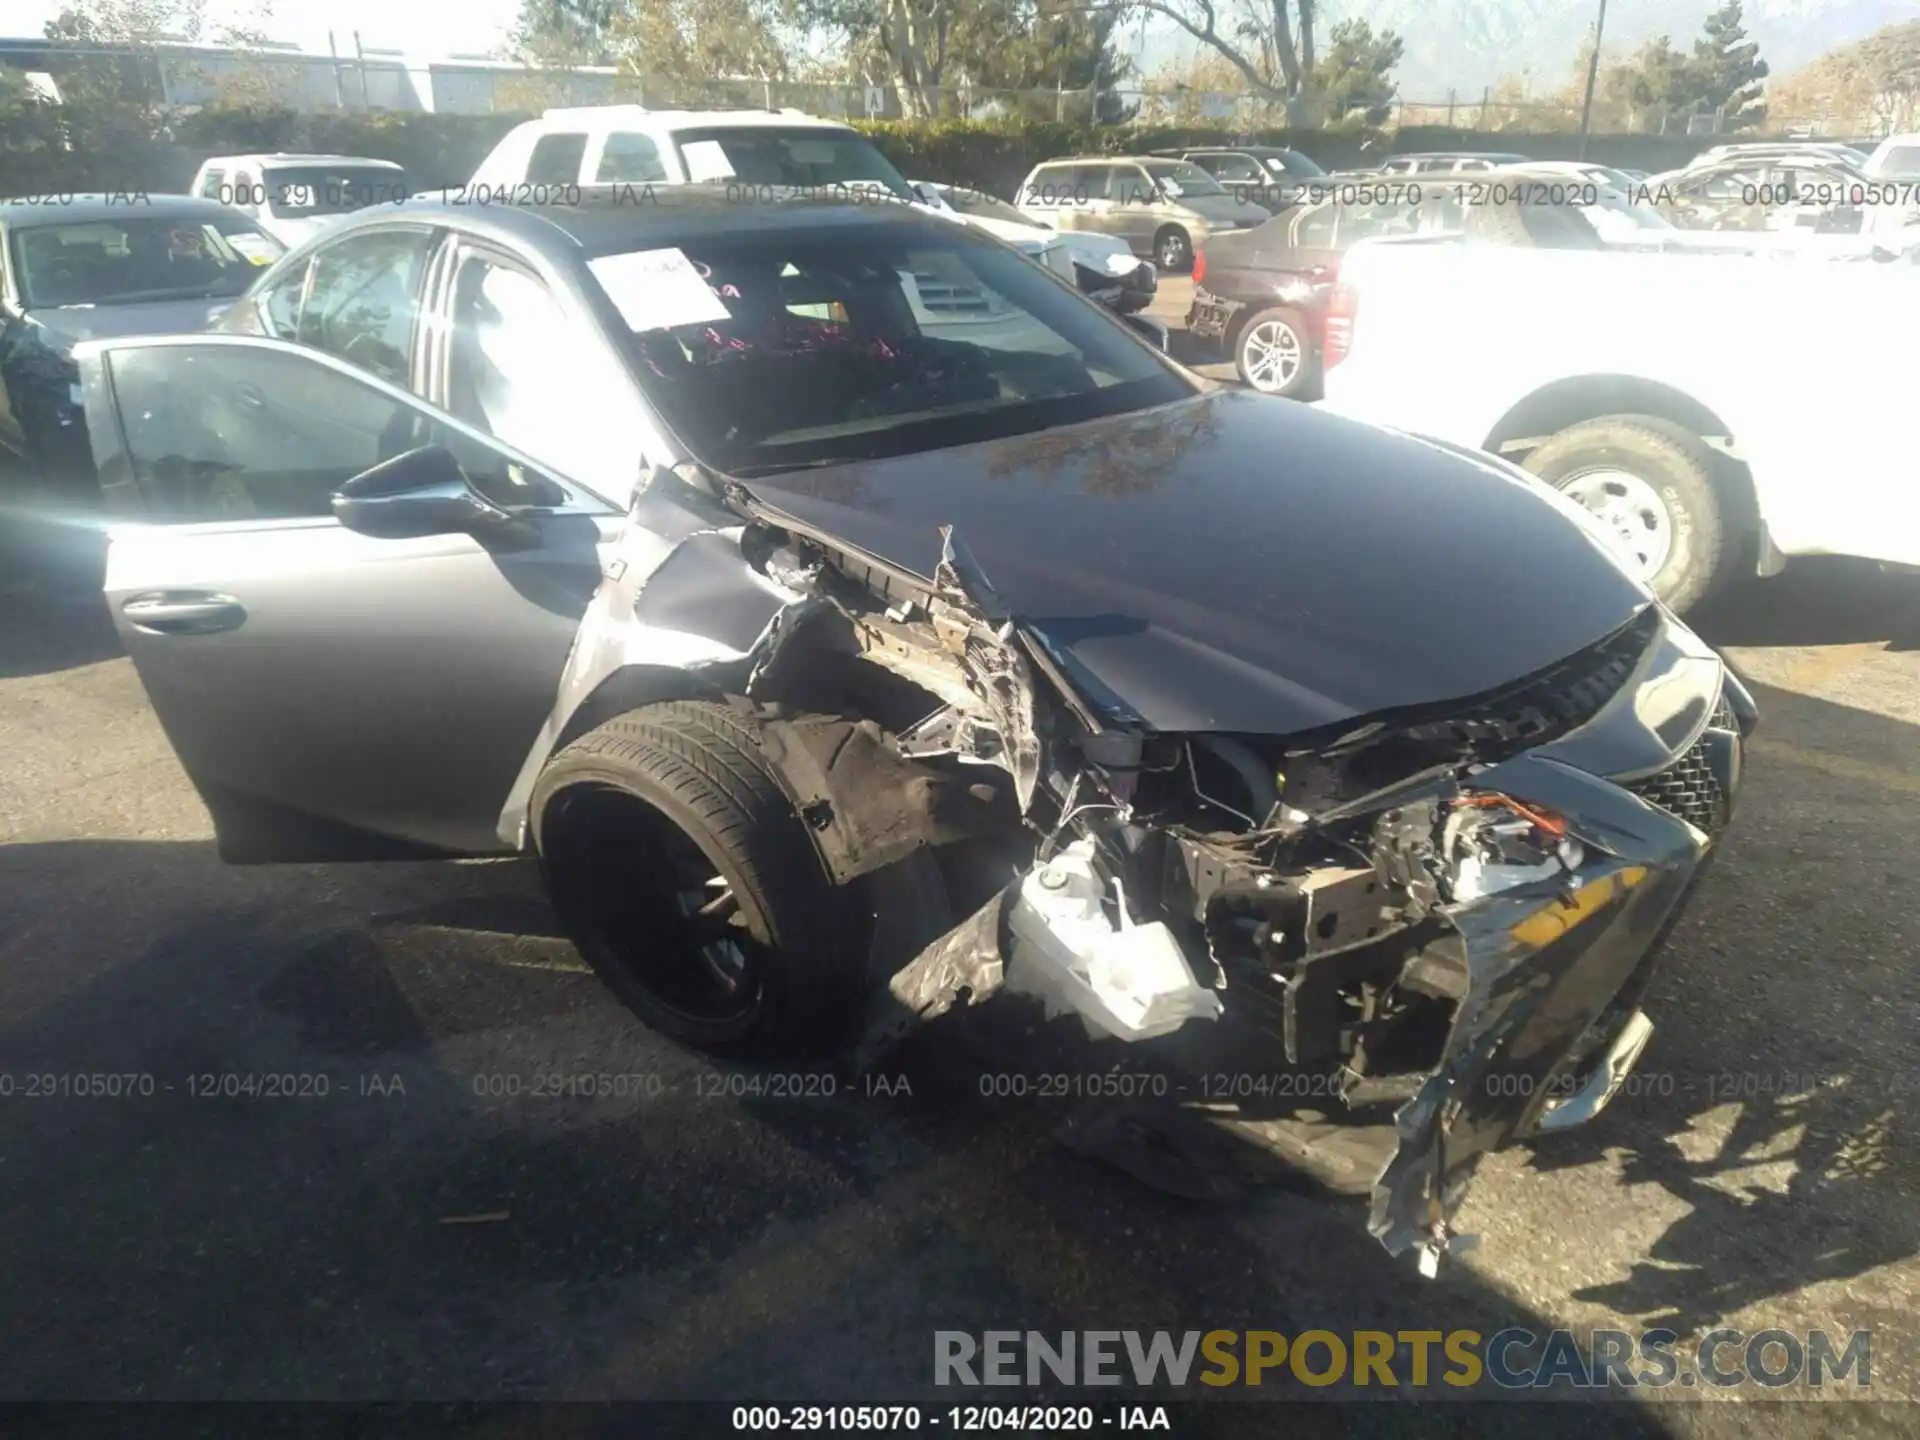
(331, 694)
(1132, 208)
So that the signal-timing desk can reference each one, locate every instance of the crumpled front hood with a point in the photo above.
(67, 325)
(1235, 562)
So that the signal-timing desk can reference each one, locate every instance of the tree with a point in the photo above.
(685, 40)
(1726, 68)
(134, 81)
(564, 32)
(1269, 43)
(1356, 72)
(1870, 85)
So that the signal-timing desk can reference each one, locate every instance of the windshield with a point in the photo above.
(802, 156)
(1191, 179)
(982, 206)
(1295, 164)
(295, 191)
(107, 262)
(774, 351)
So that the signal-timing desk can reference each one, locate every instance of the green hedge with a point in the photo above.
(69, 148)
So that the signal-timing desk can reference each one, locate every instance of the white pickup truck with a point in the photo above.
(1720, 412)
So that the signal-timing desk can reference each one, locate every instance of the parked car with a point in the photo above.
(632, 145)
(1262, 294)
(1161, 208)
(836, 669)
(76, 268)
(1269, 175)
(1648, 388)
(1781, 150)
(1102, 266)
(1604, 175)
(1895, 158)
(1447, 162)
(294, 196)
(1783, 194)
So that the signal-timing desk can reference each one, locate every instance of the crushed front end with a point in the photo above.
(1442, 919)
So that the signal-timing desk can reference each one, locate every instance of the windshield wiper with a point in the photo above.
(776, 467)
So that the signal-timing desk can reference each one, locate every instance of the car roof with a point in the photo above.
(29, 212)
(640, 115)
(283, 157)
(1455, 155)
(611, 219)
(1176, 152)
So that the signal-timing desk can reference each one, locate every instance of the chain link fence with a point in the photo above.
(182, 76)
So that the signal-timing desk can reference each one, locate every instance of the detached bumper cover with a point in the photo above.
(1542, 966)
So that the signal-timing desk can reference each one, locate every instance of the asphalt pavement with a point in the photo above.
(377, 1135)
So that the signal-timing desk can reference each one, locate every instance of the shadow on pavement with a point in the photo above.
(1816, 601)
(1777, 1099)
(339, 1179)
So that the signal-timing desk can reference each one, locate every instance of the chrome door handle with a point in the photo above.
(194, 613)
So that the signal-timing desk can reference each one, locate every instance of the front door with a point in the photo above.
(331, 694)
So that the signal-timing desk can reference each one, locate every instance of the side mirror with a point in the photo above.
(1145, 325)
(423, 492)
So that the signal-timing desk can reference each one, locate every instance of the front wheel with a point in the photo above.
(1173, 250)
(685, 877)
(1651, 484)
(1272, 353)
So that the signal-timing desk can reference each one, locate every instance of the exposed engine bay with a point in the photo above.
(1443, 914)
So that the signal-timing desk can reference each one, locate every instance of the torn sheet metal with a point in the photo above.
(967, 961)
(995, 662)
(1543, 962)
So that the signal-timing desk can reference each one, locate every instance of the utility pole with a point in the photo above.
(1593, 71)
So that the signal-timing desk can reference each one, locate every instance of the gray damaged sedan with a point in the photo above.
(860, 625)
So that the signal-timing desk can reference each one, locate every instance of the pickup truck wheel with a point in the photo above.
(688, 882)
(1271, 352)
(1173, 250)
(1651, 482)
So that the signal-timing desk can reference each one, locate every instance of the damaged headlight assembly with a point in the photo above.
(1436, 912)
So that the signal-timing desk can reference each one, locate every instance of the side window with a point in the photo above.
(629, 156)
(1235, 170)
(210, 185)
(363, 297)
(556, 159)
(1314, 229)
(1128, 185)
(268, 436)
(279, 308)
(502, 379)
(246, 194)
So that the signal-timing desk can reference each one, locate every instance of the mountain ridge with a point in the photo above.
(1466, 46)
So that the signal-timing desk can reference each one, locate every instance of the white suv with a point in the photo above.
(629, 144)
(293, 196)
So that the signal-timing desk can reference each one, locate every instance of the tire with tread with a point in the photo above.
(697, 766)
(1173, 250)
(1681, 469)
